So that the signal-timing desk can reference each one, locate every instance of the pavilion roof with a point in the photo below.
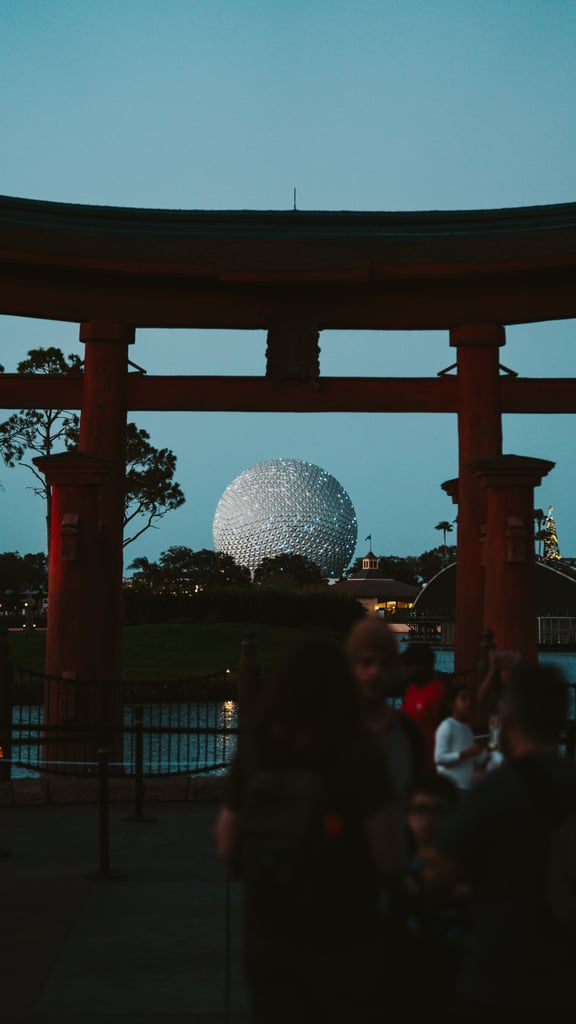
(555, 590)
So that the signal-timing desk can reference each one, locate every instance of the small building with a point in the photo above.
(378, 594)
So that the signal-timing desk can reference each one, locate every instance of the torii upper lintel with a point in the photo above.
(243, 269)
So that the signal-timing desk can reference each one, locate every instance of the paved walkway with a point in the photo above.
(147, 949)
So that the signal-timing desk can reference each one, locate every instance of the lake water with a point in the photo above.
(172, 746)
(187, 738)
(565, 661)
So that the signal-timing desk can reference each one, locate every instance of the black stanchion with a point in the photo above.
(249, 681)
(5, 717)
(139, 770)
(104, 872)
(6, 690)
(228, 947)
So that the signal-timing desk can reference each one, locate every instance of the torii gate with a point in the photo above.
(294, 274)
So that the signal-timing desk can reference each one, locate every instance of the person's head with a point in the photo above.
(418, 663)
(432, 801)
(312, 699)
(373, 655)
(534, 709)
(460, 704)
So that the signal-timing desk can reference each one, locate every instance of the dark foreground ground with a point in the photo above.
(147, 949)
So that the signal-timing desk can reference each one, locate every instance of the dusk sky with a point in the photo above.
(364, 105)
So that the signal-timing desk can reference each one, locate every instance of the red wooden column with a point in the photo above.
(103, 433)
(73, 638)
(479, 437)
(510, 585)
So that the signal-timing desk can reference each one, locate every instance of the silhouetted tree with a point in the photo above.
(20, 574)
(33, 432)
(146, 573)
(355, 568)
(431, 562)
(180, 570)
(151, 491)
(288, 570)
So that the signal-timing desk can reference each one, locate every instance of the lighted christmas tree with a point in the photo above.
(551, 548)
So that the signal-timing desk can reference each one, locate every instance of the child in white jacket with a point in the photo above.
(456, 753)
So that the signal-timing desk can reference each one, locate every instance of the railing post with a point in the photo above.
(249, 692)
(228, 944)
(487, 644)
(6, 680)
(104, 871)
(103, 810)
(139, 769)
(249, 681)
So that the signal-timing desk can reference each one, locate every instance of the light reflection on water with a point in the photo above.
(182, 750)
(189, 752)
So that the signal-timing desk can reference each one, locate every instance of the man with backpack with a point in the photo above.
(375, 663)
(513, 841)
(310, 828)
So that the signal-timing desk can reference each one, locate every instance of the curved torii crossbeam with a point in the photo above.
(294, 274)
(240, 269)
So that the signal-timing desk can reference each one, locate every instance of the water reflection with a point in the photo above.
(193, 737)
(180, 738)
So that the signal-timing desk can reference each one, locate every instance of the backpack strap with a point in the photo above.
(417, 749)
(549, 798)
(555, 805)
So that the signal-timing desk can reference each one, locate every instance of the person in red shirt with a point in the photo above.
(425, 696)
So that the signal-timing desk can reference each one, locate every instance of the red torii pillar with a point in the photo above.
(479, 437)
(103, 433)
(510, 582)
(74, 648)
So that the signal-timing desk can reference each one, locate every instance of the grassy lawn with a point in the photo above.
(179, 651)
(27, 649)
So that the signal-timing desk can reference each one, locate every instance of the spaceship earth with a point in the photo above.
(286, 506)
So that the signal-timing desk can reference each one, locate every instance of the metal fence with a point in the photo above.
(168, 728)
(175, 727)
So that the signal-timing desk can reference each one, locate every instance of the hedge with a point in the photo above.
(336, 612)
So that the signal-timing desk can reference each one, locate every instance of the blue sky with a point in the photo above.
(366, 105)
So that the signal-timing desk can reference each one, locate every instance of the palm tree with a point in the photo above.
(445, 527)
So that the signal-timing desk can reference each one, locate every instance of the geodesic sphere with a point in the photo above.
(286, 506)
